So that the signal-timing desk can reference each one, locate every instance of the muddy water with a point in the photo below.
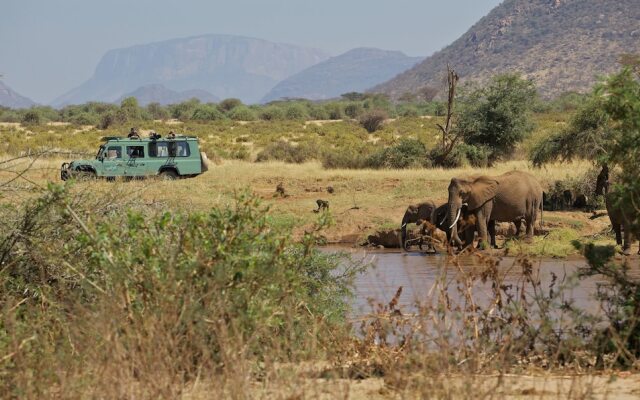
(418, 274)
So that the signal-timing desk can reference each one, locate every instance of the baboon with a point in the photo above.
(581, 201)
(280, 190)
(322, 205)
(330, 189)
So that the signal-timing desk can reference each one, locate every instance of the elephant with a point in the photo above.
(436, 217)
(509, 197)
(617, 216)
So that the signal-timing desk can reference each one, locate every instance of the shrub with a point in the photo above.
(242, 113)
(206, 112)
(156, 111)
(287, 152)
(130, 108)
(408, 153)
(353, 110)
(373, 120)
(180, 291)
(272, 113)
(334, 110)
(349, 158)
(227, 105)
(296, 111)
(32, 117)
(497, 116)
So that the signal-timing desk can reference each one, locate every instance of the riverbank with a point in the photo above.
(361, 202)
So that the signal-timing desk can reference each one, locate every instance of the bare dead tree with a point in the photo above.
(450, 135)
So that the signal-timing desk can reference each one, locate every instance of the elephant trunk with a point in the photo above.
(453, 219)
(403, 235)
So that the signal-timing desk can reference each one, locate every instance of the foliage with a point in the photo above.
(171, 296)
(585, 137)
(287, 152)
(242, 113)
(497, 116)
(206, 112)
(373, 120)
(227, 105)
(408, 153)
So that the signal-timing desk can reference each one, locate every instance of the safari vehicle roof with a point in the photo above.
(121, 139)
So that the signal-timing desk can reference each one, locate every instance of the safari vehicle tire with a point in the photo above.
(85, 176)
(168, 175)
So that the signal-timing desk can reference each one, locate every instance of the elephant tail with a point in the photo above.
(541, 214)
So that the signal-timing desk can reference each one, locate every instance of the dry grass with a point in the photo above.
(363, 200)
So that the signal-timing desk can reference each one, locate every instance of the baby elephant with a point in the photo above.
(432, 217)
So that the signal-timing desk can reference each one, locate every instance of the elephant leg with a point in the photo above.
(518, 224)
(530, 225)
(482, 229)
(491, 226)
(626, 246)
(616, 229)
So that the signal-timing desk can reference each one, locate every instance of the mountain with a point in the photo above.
(157, 93)
(224, 65)
(11, 99)
(354, 71)
(563, 45)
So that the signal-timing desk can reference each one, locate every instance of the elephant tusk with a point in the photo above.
(443, 219)
(457, 218)
(404, 225)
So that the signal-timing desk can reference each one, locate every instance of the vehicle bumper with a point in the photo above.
(65, 171)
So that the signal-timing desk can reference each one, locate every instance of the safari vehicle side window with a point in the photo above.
(158, 149)
(135, 151)
(113, 152)
(179, 149)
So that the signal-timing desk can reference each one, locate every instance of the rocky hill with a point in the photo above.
(354, 71)
(11, 99)
(563, 45)
(157, 93)
(226, 66)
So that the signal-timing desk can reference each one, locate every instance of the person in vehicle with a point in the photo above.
(133, 134)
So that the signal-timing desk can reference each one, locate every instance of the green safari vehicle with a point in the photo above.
(169, 158)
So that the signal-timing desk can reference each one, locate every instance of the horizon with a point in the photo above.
(48, 70)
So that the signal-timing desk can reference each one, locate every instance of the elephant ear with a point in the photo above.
(482, 190)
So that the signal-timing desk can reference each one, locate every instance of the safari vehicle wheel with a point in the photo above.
(85, 176)
(168, 175)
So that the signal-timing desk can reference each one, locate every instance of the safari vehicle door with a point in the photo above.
(135, 159)
(111, 161)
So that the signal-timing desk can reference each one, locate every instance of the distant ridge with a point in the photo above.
(157, 93)
(563, 45)
(11, 99)
(223, 65)
(354, 71)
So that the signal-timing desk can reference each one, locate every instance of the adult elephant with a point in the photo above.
(436, 217)
(508, 197)
(618, 215)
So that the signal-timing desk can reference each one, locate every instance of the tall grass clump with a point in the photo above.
(117, 301)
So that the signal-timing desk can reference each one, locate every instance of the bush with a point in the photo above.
(206, 112)
(296, 111)
(32, 117)
(353, 110)
(272, 113)
(497, 116)
(334, 111)
(373, 120)
(156, 111)
(348, 158)
(287, 152)
(242, 113)
(179, 291)
(130, 109)
(408, 153)
(461, 156)
(227, 105)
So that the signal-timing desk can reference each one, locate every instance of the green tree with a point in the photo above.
(498, 116)
(227, 105)
(130, 108)
(206, 112)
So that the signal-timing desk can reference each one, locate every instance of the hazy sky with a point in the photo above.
(48, 47)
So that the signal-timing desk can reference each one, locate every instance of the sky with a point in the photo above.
(48, 47)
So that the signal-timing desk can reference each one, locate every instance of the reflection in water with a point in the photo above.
(418, 274)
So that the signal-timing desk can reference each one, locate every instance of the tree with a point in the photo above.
(130, 108)
(497, 116)
(227, 105)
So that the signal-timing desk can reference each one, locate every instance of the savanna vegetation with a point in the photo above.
(215, 286)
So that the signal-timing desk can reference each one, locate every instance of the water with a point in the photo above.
(417, 274)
